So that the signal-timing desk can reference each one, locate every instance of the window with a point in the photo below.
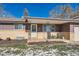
(19, 26)
(44, 28)
(33, 28)
(53, 28)
(49, 28)
(27, 26)
(6, 26)
(39, 28)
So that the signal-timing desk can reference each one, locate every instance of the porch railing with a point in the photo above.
(50, 35)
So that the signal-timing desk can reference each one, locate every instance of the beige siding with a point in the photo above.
(13, 34)
(71, 36)
(42, 35)
(21, 33)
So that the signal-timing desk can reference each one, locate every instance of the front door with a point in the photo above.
(33, 31)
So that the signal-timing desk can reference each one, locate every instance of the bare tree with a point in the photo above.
(67, 11)
(52, 13)
(62, 11)
(77, 11)
(25, 13)
(5, 14)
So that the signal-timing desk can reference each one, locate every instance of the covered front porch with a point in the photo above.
(47, 32)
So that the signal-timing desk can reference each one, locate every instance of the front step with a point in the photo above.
(30, 42)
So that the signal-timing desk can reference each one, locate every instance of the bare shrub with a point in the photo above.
(1, 39)
(8, 38)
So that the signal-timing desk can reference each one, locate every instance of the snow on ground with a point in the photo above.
(41, 51)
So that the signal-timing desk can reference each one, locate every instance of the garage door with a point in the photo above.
(76, 33)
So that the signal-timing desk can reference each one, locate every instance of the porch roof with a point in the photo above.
(52, 21)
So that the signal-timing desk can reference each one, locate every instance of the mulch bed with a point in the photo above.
(12, 42)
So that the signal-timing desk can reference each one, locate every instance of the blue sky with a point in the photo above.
(35, 9)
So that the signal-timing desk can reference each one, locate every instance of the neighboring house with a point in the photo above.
(40, 29)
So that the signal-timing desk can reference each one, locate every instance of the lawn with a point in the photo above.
(40, 50)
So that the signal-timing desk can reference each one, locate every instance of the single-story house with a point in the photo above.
(35, 28)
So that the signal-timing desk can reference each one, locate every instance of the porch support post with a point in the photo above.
(29, 34)
(36, 31)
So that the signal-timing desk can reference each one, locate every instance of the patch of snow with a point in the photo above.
(37, 52)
